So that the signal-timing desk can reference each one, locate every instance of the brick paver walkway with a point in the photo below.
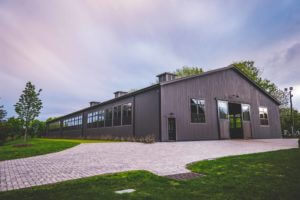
(100, 158)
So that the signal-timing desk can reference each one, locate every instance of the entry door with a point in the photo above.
(236, 129)
(172, 128)
(235, 120)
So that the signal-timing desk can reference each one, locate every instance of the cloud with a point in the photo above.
(79, 51)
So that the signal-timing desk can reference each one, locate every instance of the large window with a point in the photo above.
(126, 114)
(108, 117)
(246, 112)
(223, 109)
(263, 116)
(54, 125)
(101, 118)
(197, 111)
(117, 116)
(73, 122)
(92, 119)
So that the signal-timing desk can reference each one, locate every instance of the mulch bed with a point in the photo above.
(22, 145)
(185, 176)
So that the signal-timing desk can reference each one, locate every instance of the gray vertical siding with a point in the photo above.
(153, 106)
(221, 85)
(145, 119)
(147, 114)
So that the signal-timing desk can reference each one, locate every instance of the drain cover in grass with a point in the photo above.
(125, 191)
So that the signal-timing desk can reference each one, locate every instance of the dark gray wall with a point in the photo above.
(175, 98)
(147, 113)
(145, 119)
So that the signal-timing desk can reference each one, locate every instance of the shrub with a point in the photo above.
(3, 133)
(149, 139)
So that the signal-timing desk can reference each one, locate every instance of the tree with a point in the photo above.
(37, 128)
(285, 118)
(14, 127)
(255, 74)
(188, 71)
(28, 107)
(3, 113)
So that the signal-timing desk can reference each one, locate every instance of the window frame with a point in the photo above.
(74, 122)
(131, 114)
(54, 126)
(227, 104)
(120, 117)
(105, 117)
(204, 109)
(267, 111)
(249, 106)
(101, 118)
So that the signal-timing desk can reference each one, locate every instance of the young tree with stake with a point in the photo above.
(28, 107)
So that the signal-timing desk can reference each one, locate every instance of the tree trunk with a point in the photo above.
(25, 135)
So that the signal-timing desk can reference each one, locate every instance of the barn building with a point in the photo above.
(218, 104)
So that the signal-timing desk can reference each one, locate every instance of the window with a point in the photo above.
(263, 116)
(108, 117)
(54, 125)
(126, 114)
(246, 112)
(197, 111)
(117, 116)
(223, 109)
(101, 118)
(73, 122)
(92, 119)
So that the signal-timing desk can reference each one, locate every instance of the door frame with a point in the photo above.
(237, 102)
(171, 117)
(250, 121)
(241, 118)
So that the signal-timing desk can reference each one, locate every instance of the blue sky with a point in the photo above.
(71, 48)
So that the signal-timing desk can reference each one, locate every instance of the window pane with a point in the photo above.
(263, 115)
(117, 116)
(197, 111)
(126, 114)
(108, 117)
(246, 112)
(101, 118)
(54, 125)
(223, 109)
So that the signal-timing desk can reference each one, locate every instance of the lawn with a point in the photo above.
(38, 146)
(272, 175)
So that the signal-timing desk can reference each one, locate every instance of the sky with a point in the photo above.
(79, 51)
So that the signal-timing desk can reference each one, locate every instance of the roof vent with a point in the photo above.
(119, 93)
(167, 76)
(93, 103)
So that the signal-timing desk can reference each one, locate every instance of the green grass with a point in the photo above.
(272, 175)
(39, 146)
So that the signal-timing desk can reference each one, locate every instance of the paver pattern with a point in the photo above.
(164, 158)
